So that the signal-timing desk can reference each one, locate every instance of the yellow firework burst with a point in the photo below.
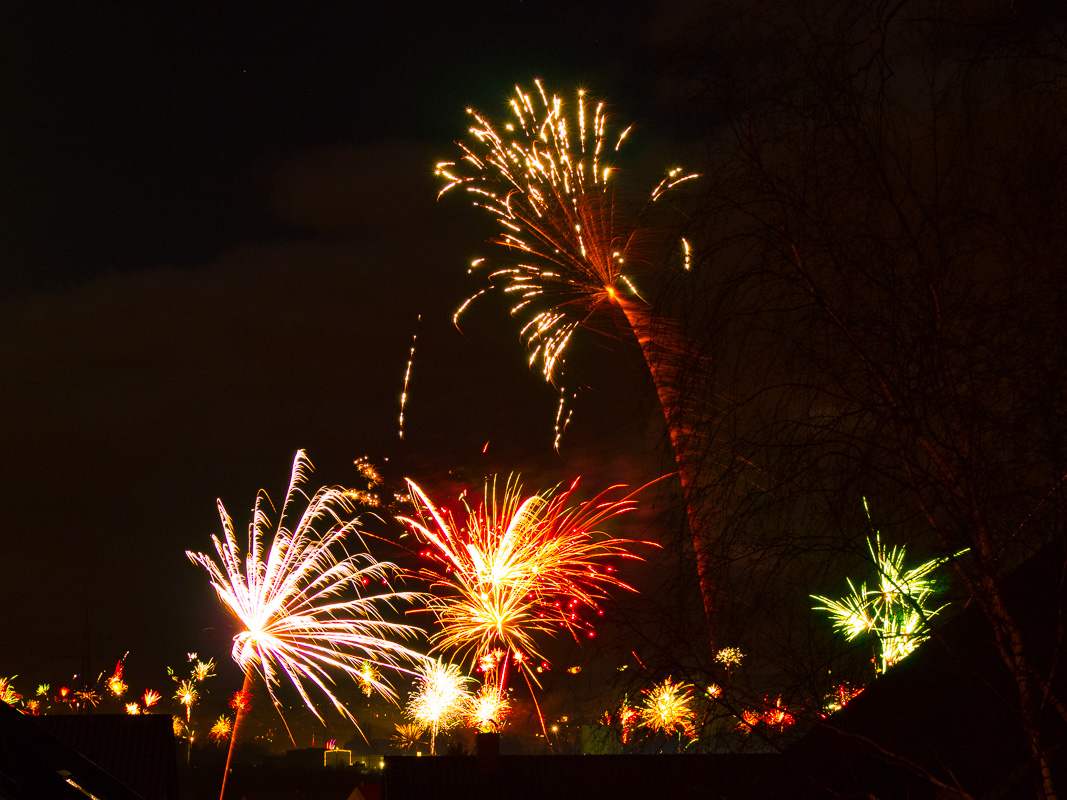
(668, 707)
(222, 729)
(203, 670)
(440, 698)
(407, 735)
(187, 695)
(488, 709)
(543, 174)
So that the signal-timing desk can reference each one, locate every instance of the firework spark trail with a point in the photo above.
(301, 607)
(407, 376)
(569, 237)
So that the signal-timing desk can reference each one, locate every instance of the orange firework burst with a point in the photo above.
(301, 606)
(203, 670)
(777, 716)
(519, 566)
(150, 698)
(115, 684)
(749, 720)
(222, 729)
(87, 697)
(488, 710)
(668, 706)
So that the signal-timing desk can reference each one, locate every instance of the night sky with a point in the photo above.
(218, 228)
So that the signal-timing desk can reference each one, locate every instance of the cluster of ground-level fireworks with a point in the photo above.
(511, 568)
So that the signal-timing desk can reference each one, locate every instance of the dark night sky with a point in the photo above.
(217, 229)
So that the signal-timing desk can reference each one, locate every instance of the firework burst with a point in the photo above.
(304, 610)
(407, 735)
(895, 610)
(187, 695)
(440, 699)
(7, 691)
(668, 707)
(518, 566)
(241, 701)
(222, 729)
(488, 709)
(203, 670)
(300, 605)
(115, 684)
(546, 180)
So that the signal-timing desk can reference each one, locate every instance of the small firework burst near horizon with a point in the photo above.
(440, 698)
(668, 707)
